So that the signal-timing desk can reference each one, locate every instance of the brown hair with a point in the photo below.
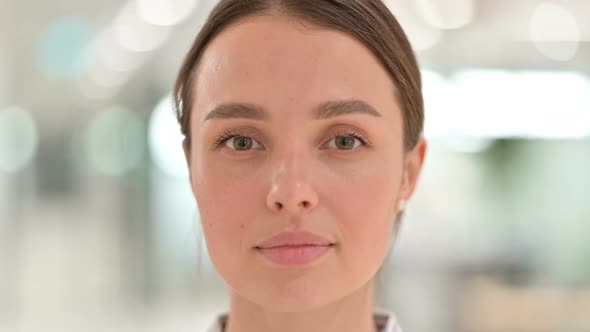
(370, 21)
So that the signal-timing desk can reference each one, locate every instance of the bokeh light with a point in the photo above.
(18, 139)
(114, 57)
(436, 90)
(488, 103)
(165, 140)
(114, 141)
(165, 12)
(555, 31)
(63, 46)
(106, 77)
(422, 35)
(135, 34)
(448, 14)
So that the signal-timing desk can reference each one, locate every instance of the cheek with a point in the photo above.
(364, 209)
(227, 208)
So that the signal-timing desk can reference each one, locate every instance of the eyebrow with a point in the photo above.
(325, 110)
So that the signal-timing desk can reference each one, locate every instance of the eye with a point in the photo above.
(236, 141)
(240, 139)
(241, 143)
(347, 141)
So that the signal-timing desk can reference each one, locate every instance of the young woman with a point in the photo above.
(303, 135)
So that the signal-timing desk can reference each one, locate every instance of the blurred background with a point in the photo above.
(99, 230)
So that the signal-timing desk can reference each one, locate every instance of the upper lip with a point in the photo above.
(294, 238)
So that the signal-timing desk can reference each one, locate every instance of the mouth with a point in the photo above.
(295, 238)
(295, 248)
(300, 245)
(295, 254)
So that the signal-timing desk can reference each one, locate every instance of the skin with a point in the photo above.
(350, 196)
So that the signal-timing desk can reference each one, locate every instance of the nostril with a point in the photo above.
(279, 205)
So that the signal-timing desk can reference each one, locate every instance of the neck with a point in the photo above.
(353, 313)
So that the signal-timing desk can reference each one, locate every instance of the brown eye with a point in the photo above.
(240, 143)
(345, 142)
(349, 142)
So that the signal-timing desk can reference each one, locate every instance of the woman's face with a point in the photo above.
(294, 165)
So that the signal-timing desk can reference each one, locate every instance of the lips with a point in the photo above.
(294, 239)
(295, 249)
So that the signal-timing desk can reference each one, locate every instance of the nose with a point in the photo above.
(291, 191)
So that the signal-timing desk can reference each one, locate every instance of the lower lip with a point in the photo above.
(294, 255)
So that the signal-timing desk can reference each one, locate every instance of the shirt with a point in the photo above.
(385, 320)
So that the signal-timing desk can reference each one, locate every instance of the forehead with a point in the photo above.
(288, 69)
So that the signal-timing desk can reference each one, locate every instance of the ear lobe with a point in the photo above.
(401, 206)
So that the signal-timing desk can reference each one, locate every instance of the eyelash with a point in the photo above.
(341, 133)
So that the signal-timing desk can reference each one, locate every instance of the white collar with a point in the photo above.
(381, 316)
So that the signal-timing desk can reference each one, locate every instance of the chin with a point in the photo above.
(296, 295)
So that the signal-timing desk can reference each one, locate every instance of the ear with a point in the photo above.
(187, 156)
(413, 162)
